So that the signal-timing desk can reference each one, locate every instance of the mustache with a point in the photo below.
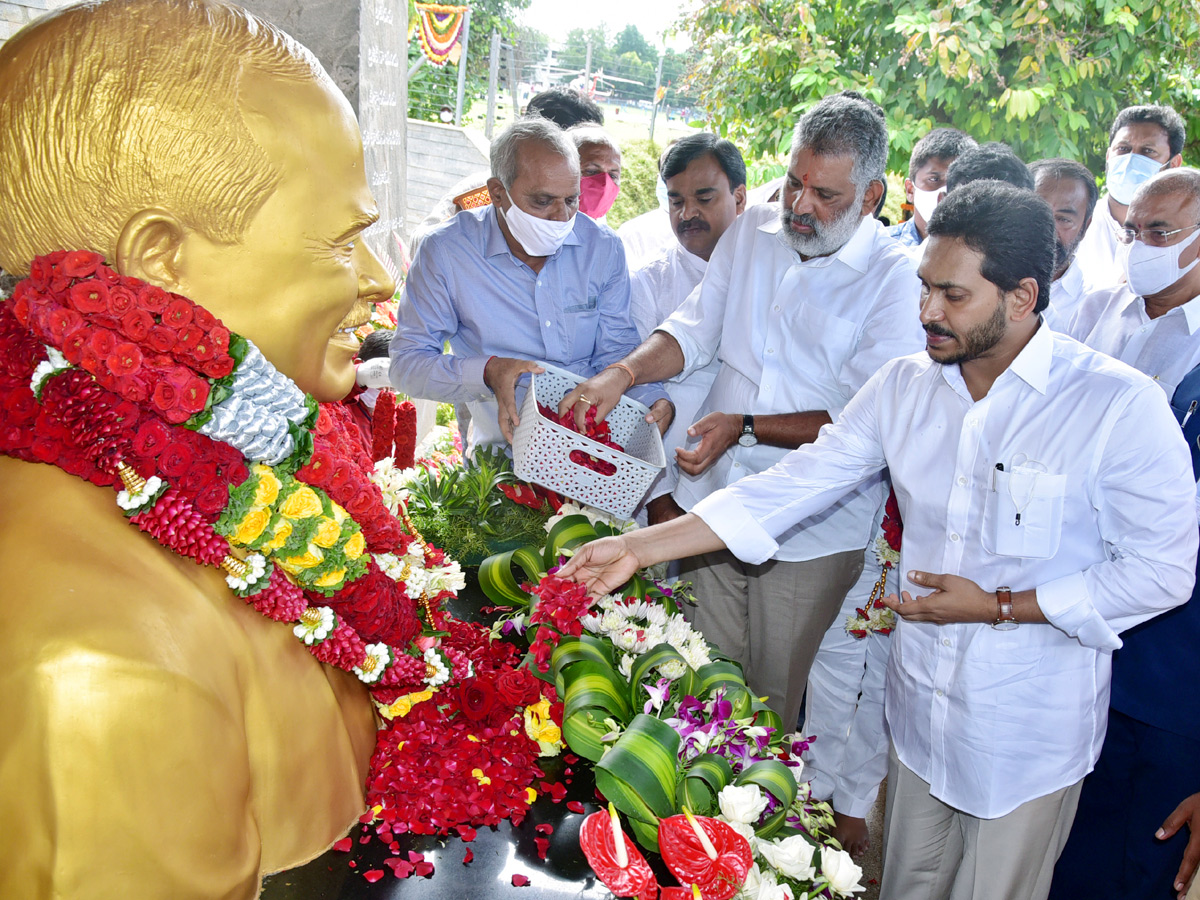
(696, 224)
(807, 219)
(939, 330)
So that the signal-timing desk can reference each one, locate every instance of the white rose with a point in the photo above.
(792, 856)
(840, 869)
(742, 803)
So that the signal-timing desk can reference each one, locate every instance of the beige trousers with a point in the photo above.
(770, 617)
(932, 851)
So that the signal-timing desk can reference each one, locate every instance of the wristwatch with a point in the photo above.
(747, 438)
(1005, 620)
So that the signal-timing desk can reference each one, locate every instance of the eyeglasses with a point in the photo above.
(1155, 237)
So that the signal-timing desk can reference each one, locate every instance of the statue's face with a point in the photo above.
(302, 276)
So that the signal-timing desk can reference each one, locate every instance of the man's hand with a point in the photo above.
(663, 509)
(954, 599)
(717, 432)
(1186, 812)
(603, 565)
(602, 391)
(501, 374)
(662, 414)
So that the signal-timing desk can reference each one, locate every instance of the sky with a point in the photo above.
(557, 17)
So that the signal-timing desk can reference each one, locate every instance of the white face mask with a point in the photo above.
(1150, 270)
(925, 201)
(1124, 174)
(538, 237)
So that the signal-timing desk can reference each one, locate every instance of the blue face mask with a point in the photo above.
(1126, 173)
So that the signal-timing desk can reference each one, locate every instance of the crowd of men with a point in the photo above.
(1019, 362)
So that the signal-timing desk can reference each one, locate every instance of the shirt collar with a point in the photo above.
(496, 245)
(856, 252)
(697, 265)
(1132, 303)
(1072, 279)
(1032, 364)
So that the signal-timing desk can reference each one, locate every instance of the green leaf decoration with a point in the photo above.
(498, 582)
(777, 779)
(644, 665)
(638, 775)
(705, 778)
(567, 534)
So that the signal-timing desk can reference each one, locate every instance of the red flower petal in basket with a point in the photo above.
(520, 881)
(343, 846)
(599, 846)
(575, 806)
(543, 846)
(682, 851)
(401, 868)
(544, 828)
(373, 875)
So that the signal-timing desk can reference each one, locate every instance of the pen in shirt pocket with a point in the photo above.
(1191, 409)
(999, 468)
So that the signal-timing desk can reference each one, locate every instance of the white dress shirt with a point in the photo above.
(796, 336)
(646, 236)
(1066, 294)
(657, 289)
(1094, 465)
(1100, 255)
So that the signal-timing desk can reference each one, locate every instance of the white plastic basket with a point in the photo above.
(542, 449)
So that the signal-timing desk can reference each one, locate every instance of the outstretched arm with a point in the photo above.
(606, 564)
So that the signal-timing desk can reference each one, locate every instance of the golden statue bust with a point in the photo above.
(158, 736)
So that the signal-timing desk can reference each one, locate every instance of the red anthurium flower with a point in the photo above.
(688, 859)
(598, 838)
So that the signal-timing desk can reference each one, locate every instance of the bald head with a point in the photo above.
(1182, 183)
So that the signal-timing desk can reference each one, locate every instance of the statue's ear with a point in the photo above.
(150, 247)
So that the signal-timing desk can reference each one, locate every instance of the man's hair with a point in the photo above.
(994, 161)
(110, 108)
(506, 148)
(1011, 227)
(941, 143)
(1184, 181)
(687, 149)
(375, 344)
(1059, 169)
(847, 124)
(586, 133)
(564, 106)
(1163, 116)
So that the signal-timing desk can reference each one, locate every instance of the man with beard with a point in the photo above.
(801, 303)
(706, 192)
(1048, 505)
(1071, 191)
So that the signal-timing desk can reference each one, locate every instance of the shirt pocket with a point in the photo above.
(1023, 514)
(582, 322)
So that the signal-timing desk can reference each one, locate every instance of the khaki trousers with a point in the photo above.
(770, 617)
(934, 852)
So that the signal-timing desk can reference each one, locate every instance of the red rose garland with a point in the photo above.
(143, 363)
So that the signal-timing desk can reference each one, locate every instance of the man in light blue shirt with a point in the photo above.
(523, 280)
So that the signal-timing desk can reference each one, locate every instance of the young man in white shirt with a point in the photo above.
(1143, 141)
(801, 303)
(1047, 500)
(706, 192)
(1071, 191)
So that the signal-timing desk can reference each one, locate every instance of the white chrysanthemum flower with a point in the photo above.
(144, 497)
(590, 623)
(611, 622)
(436, 662)
(656, 615)
(626, 666)
(625, 639)
(378, 658)
(672, 669)
(316, 624)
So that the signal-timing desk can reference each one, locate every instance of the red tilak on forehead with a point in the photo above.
(804, 178)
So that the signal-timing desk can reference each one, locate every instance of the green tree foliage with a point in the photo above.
(628, 55)
(639, 172)
(1046, 76)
